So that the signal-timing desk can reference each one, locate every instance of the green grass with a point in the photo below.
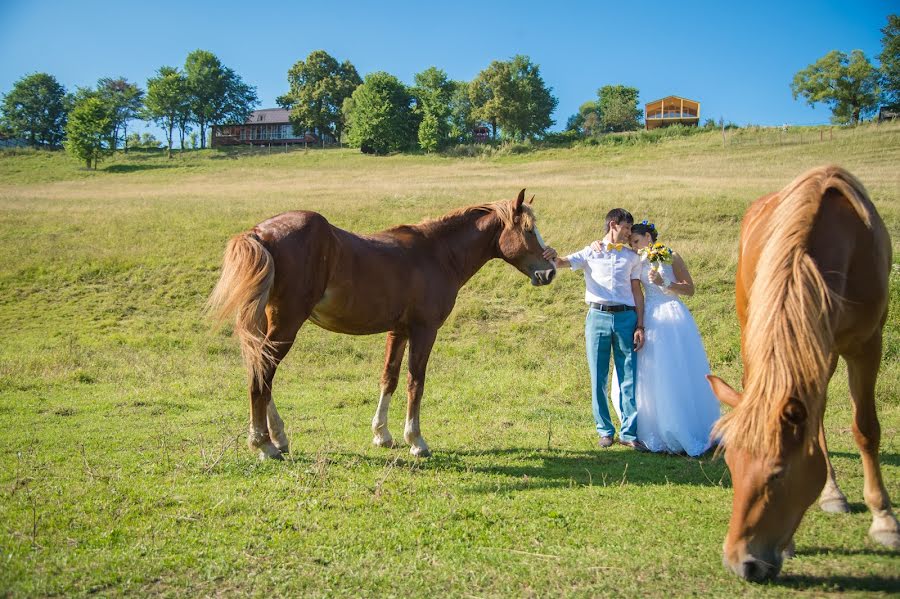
(123, 464)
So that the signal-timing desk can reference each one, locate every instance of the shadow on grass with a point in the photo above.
(519, 469)
(845, 551)
(133, 168)
(887, 459)
(832, 584)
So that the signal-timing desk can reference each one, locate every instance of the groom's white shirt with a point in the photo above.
(607, 274)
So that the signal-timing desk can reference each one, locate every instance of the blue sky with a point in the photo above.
(737, 59)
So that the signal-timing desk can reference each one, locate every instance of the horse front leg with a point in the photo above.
(863, 371)
(420, 343)
(831, 499)
(393, 358)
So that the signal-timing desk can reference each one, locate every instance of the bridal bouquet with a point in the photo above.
(656, 254)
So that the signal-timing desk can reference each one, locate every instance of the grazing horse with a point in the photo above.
(812, 285)
(404, 281)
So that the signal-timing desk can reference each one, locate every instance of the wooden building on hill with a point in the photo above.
(269, 126)
(671, 110)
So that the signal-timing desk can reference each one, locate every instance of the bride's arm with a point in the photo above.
(683, 284)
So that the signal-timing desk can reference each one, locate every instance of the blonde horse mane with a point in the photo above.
(503, 209)
(788, 337)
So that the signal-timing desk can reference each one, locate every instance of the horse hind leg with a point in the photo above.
(393, 358)
(863, 371)
(266, 426)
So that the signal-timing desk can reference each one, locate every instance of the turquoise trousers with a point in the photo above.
(606, 332)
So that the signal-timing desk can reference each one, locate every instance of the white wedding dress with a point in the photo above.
(676, 408)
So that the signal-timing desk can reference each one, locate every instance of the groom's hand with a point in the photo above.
(638, 339)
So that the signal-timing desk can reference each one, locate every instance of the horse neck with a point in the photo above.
(467, 242)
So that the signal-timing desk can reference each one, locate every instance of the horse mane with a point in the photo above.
(788, 335)
(502, 209)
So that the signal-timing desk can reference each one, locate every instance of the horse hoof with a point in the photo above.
(888, 538)
(835, 505)
(789, 552)
(283, 449)
(420, 452)
(269, 452)
(386, 442)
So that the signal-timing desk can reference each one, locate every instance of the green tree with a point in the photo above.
(318, 87)
(167, 96)
(217, 94)
(890, 62)
(847, 84)
(618, 108)
(36, 109)
(432, 92)
(462, 118)
(125, 101)
(89, 130)
(379, 115)
(586, 121)
(512, 95)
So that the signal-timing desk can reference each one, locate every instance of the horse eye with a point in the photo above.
(776, 475)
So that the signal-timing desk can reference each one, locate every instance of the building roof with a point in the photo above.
(672, 98)
(269, 116)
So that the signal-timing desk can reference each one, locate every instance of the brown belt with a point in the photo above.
(607, 308)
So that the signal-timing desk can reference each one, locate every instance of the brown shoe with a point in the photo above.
(636, 445)
(605, 441)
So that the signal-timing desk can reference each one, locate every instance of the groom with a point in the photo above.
(614, 321)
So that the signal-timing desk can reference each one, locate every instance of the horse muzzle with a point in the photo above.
(543, 277)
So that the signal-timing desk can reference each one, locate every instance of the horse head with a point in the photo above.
(520, 243)
(774, 483)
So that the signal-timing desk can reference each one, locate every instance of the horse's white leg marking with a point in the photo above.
(382, 436)
(259, 439)
(276, 427)
(885, 529)
(413, 435)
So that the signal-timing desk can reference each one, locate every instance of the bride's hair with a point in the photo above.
(645, 227)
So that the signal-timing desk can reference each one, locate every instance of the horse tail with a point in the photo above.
(248, 272)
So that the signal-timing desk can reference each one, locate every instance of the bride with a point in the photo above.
(675, 406)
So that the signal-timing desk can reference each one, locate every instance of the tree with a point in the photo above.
(512, 95)
(318, 87)
(124, 100)
(217, 94)
(167, 97)
(36, 110)
(618, 108)
(847, 84)
(432, 93)
(462, 117)
(379, 115)
(89, 130)
(890, 62)
(586, 121)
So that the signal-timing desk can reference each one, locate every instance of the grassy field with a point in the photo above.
(123, 464)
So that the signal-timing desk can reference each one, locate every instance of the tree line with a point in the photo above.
(92, 122)
(379, 113)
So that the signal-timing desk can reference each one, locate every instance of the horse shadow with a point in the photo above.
(840, 583)
(886, 459)
(522, 469)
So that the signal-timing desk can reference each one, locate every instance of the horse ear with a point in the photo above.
(519, 200)
(531, 201)
(723, 391)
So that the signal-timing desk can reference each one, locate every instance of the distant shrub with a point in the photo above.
(468, 151)
(562, 138)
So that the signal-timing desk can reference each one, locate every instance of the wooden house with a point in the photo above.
(671, 110)
(269, 126)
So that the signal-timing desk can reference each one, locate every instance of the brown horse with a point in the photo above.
(812, 285)
(404, 281)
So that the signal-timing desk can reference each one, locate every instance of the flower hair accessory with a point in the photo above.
(649, 225)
